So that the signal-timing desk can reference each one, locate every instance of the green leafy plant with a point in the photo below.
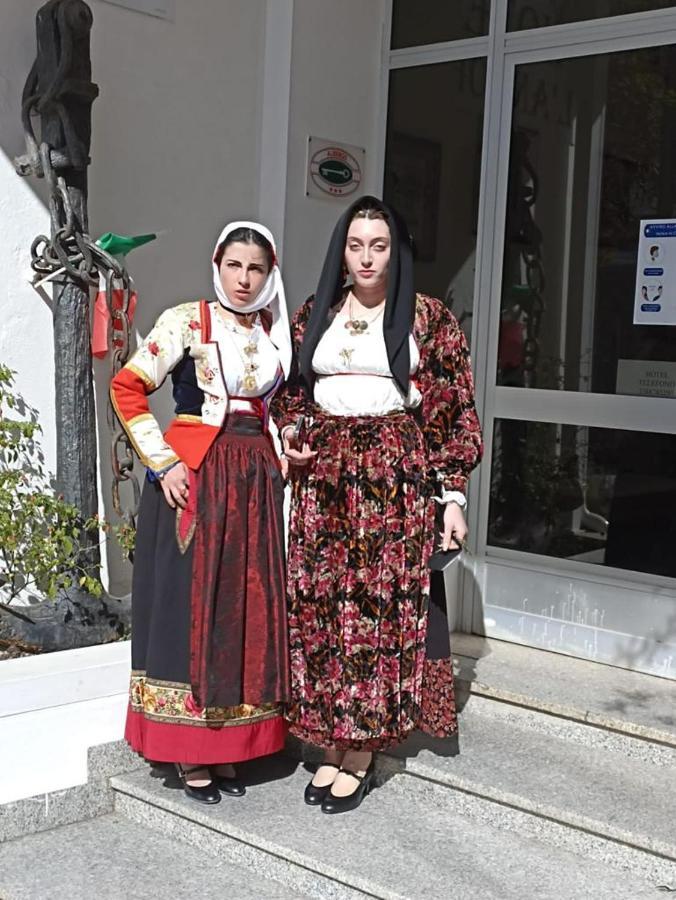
(125, 534)
(42, 537)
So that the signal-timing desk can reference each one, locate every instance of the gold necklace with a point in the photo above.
(360, 326)
(249, 380)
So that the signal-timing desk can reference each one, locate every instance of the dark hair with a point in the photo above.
(370, 208)
(246, 236)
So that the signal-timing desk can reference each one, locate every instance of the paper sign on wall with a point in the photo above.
(655, 297)
(646, 378)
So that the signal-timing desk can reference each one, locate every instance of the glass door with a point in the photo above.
(432, 173)
(577, 498)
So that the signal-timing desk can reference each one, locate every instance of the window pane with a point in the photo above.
(526, 14)
(416, 22)
(592, 154)
(597, 495)
(432, 172)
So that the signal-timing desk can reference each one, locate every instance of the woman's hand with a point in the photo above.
(175, 486)
(455, 527)
(296, 456)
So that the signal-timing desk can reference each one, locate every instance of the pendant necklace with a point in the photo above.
(360, 326)
(249, 379)
(356, 327)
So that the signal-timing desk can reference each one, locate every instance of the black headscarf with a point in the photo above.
(399, 303)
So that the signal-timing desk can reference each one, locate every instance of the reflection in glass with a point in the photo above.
(432, 172)
(592, 154)
(415, 23)
(526, 14)
(596, 495)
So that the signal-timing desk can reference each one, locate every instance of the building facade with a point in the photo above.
(525, 141)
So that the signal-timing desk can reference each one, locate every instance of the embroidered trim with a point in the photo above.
(146, 460)
(173, 702)
(184, 542)
(145, 378)
(143, 417)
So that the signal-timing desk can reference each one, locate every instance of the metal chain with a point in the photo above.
(74, 252)
(121, 451)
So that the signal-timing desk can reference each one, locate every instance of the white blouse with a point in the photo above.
(353, 372)
(232, 340)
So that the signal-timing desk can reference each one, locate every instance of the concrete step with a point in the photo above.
(411, 838)
(605, 696)
(75, 804)
(110, 858)
(604, 784)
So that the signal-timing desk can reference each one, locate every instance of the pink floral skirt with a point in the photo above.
(361, 532)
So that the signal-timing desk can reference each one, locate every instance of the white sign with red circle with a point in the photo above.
(334, 169)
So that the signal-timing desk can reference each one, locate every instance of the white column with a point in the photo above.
(275, 105)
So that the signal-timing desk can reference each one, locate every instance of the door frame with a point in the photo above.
(504, 51)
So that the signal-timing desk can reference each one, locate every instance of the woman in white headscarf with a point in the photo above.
(210, 669)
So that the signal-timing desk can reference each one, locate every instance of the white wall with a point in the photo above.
(26, 329)
(175, 136)
(72, 700)
(335, 94)
(175, 148)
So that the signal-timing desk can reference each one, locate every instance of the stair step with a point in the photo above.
(112, 857)
(608, 697)
(607, 784)
(411, 838)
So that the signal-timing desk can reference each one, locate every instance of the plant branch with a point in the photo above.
(12, 610)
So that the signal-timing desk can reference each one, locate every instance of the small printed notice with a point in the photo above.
(161, 9)
(334, 169)
(645, 378)
(655, 298)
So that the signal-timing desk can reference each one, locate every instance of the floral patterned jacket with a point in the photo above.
(448, 417)
(179, 343)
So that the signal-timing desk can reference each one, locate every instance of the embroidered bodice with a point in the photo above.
(234, 346)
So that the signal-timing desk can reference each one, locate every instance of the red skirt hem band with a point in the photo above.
(164, 742)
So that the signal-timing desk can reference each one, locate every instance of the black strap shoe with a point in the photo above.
(230, 785)
(208, 793)
(332, 804)
(314, 795)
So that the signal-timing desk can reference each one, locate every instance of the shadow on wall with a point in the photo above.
(638, 654)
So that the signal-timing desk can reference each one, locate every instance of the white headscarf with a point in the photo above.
(271, 295)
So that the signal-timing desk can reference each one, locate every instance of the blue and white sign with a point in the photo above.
(655, 297)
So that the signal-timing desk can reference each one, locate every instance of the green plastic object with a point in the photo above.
(122, 244)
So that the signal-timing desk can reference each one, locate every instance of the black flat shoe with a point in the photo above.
(230, 785)
(332, 804)
(209, 793)
(314, 795)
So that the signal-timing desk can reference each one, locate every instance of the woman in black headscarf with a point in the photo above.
(384, 383)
